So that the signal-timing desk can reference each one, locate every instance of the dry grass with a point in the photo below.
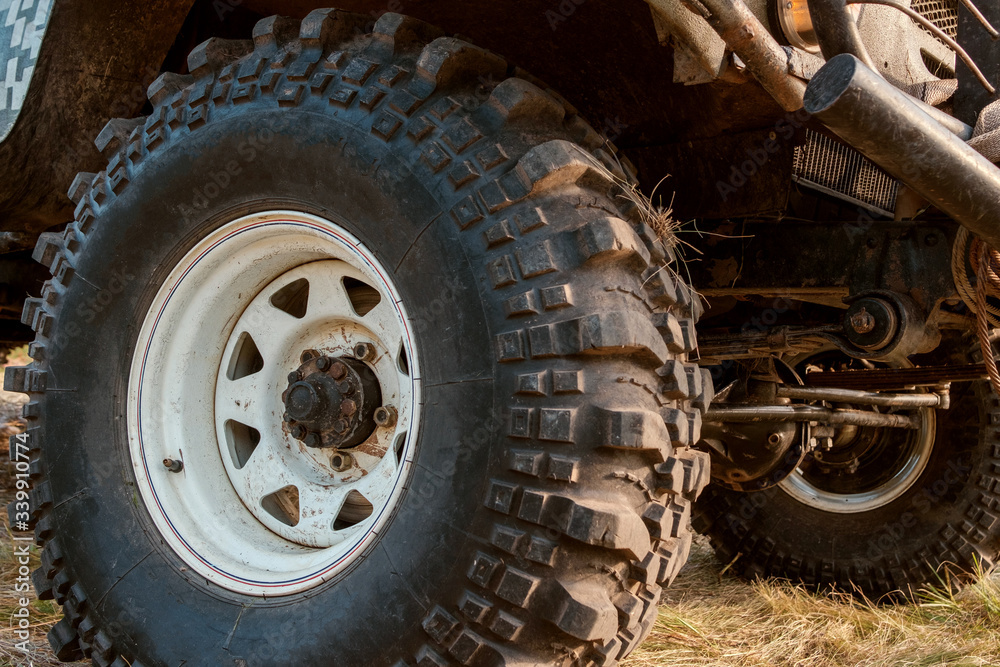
(708, 619)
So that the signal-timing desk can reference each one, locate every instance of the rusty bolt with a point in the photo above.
(341, 461)
(309, 355)
(294, 376)
(338, 370)
(348, 407)
(340, 425)
(173, 465)
(345, 388)
(313, 440)
(385, 416)
(862, 321)
(298, 431)
(364, 351)
(323, 364)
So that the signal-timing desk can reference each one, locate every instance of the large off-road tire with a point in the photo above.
(931, 519)
(538, 477)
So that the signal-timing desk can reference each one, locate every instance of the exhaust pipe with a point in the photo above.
(891, 130)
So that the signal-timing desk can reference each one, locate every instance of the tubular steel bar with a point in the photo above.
(836, 30)
(747, 37)
(883, 124)
(860, 397)
(767, 60)
(808, 413)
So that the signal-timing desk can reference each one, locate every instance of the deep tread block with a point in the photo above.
(213, 54)
(580, 609)
(449, 61)
(516, 100)
(273, 33)
(167, 86)
(65, 642)
(686, 473)
(613, 240)
(601, 523)
(403, 32)
(114, 138)
(635, 429)
(79, 189)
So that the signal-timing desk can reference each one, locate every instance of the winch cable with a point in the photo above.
(989, 260)
(971, 254)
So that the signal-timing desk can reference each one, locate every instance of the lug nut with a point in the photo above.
(313, 440)
(341, 461)
(309, 355)
(338, 370)
(294, 376)
(364, 351)
(298, 431)
(173, 465)
(385, 416)
(340, 426)
(323, 364)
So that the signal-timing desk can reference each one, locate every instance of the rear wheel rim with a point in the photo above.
(253, 509)
(880, 479)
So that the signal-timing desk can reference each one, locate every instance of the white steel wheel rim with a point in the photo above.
(190, 384)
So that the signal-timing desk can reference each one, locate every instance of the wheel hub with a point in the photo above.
(330, 402)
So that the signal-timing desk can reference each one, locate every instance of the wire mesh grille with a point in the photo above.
(836, 168)
(942, 13)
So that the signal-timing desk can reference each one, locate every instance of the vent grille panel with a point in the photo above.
(832, 167)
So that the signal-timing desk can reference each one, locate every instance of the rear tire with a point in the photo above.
(935, 529)
(546, 495)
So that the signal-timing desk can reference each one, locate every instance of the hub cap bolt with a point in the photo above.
(173, 465)
(345, 388)
(338, 371)
(348, 407)
(323, 364)
(294, 376)
(312, 440)
(340, 426)
(862, 322)
(385, 416)
(364, 351)
(298, 431)
(341, 461)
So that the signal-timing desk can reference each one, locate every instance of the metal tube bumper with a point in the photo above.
(886, 126)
